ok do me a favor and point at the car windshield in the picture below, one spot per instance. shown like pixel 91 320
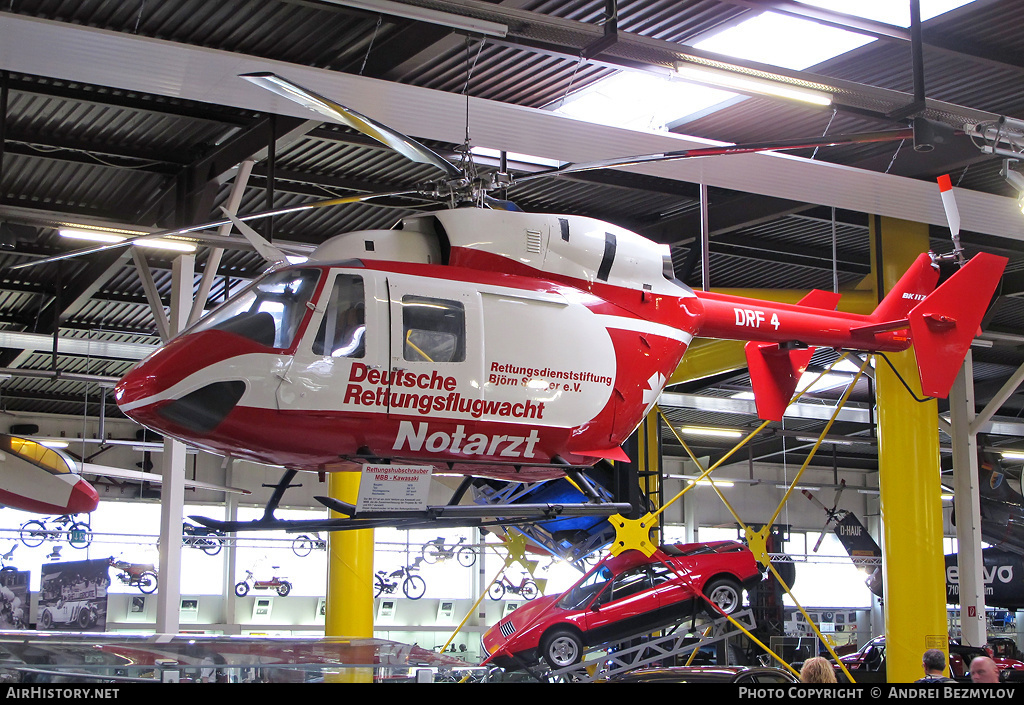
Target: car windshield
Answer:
pixel 267 312
pixel 580 595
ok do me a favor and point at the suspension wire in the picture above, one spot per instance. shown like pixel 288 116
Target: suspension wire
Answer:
pixel 894 155
pixel 572 80
pixel 834 111
pixel 705 473
pixel 821 438
pixel 369 47
pixel 835 255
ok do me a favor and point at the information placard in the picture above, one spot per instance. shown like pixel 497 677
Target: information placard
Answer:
pixel 393 487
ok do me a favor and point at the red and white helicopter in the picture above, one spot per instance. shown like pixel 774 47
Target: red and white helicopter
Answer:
pixel 485 341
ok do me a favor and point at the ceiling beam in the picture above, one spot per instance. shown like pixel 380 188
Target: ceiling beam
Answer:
pixel 135 63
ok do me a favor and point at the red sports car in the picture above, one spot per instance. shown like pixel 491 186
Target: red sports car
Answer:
pixel 621 596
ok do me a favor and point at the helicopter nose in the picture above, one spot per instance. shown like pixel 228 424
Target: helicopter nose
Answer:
pixel 83 499
pixel 147 394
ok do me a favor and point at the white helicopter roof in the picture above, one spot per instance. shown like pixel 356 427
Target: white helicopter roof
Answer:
pixel 586 249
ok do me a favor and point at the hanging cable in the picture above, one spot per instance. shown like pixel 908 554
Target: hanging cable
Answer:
pixel 370 45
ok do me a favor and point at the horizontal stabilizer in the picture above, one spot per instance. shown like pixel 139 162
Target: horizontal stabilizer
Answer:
pixel 615 453
pixel 775 371
pixel 944 324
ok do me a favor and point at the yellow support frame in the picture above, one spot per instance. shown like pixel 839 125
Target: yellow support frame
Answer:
pixel 633 534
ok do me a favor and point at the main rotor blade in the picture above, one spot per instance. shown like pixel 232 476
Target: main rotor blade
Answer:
pixel 216 224
pixel 404 145
pixel 771 146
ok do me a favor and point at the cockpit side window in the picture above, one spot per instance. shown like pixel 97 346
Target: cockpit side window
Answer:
pixel 269 311
pixel 343 329
pixel 434 330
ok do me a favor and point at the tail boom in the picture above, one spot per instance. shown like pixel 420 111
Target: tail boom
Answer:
pixel 941 322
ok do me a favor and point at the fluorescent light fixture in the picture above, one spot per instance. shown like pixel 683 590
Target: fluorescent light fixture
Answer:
pixel 751 84
pixel 1013 454
pixel 946 497
pixel 52 443
pixel 809 488
pixel 111 238
pixel 711 432
pixel 423 14
pixel 707 483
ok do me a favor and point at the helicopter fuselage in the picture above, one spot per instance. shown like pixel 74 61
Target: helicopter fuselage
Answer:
pixel 462 365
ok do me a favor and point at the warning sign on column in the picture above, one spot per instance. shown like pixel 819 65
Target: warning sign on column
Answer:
pixel 393 488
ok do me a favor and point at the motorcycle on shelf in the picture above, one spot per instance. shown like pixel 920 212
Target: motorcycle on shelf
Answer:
pixel 209 541
pixel 278 584
pixel 140 575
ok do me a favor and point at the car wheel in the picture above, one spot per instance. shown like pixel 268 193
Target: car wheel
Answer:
pixel 45 620
pixel 562 648
pixel 726 594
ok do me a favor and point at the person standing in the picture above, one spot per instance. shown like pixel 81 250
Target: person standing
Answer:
pixel 817 670
pixel 934 663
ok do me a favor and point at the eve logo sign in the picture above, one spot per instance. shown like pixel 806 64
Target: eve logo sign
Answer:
pixel 753 318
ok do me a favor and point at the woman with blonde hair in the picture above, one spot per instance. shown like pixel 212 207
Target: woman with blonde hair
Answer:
pixel 817 670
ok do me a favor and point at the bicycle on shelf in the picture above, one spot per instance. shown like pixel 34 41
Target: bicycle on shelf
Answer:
pixel 140 575
pixel 413 586
pixel 35 531
pixel 209 541
pixel 279 585
pixel 304 544
pixel 527 588
pixel 5 559
pixel 436 551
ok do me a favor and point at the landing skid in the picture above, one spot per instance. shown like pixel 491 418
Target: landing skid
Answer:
pixel 441 516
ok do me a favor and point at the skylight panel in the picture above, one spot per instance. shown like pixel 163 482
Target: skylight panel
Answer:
pixel 639 102
pixel 888 11
pixel 784 41
pixel 635 101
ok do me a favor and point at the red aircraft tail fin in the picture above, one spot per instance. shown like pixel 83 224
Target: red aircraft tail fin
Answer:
pixel 913 287
pixel 775 371
pixel 944 324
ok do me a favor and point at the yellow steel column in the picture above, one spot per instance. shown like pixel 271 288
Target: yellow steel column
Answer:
pixel 349 576
pixel 909 474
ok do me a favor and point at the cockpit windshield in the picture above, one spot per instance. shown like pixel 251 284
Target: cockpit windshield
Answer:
pixel 269 311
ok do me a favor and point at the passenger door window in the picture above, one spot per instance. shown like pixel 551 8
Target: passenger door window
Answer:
pixel 433 330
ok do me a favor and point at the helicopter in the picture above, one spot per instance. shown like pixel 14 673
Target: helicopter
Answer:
pixel 484 341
